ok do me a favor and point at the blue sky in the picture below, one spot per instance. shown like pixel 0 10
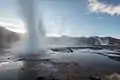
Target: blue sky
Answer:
pixel 70 17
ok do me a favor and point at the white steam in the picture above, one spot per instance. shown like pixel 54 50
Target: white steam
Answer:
pixel 29 13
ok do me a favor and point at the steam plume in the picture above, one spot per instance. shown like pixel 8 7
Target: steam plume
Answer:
pixel 35 31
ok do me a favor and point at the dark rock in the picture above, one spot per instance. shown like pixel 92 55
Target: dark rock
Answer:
pixel 41 78
pixel 46 78
pixel 94 78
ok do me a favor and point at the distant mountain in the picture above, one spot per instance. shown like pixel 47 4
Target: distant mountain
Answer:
pixel 82 41
pixel 7 37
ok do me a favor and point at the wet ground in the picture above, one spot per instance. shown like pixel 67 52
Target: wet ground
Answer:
pixel 76 65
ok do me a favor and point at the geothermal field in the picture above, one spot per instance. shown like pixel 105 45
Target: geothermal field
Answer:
pixel 33 59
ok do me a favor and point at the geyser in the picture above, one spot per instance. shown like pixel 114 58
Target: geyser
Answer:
pixel 29 12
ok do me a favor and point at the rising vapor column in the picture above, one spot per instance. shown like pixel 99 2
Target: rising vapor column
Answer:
pixel 29 15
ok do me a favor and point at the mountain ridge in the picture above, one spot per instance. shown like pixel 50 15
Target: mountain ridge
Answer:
pixel 81 41
pixel 7 37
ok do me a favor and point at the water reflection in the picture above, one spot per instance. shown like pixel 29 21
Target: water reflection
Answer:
pixel 9 70
pixel 113 56
pixel 34 68
pixel 29 71
pixel 59 65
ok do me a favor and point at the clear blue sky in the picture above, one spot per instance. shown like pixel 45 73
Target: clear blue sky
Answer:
pixel 72 17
